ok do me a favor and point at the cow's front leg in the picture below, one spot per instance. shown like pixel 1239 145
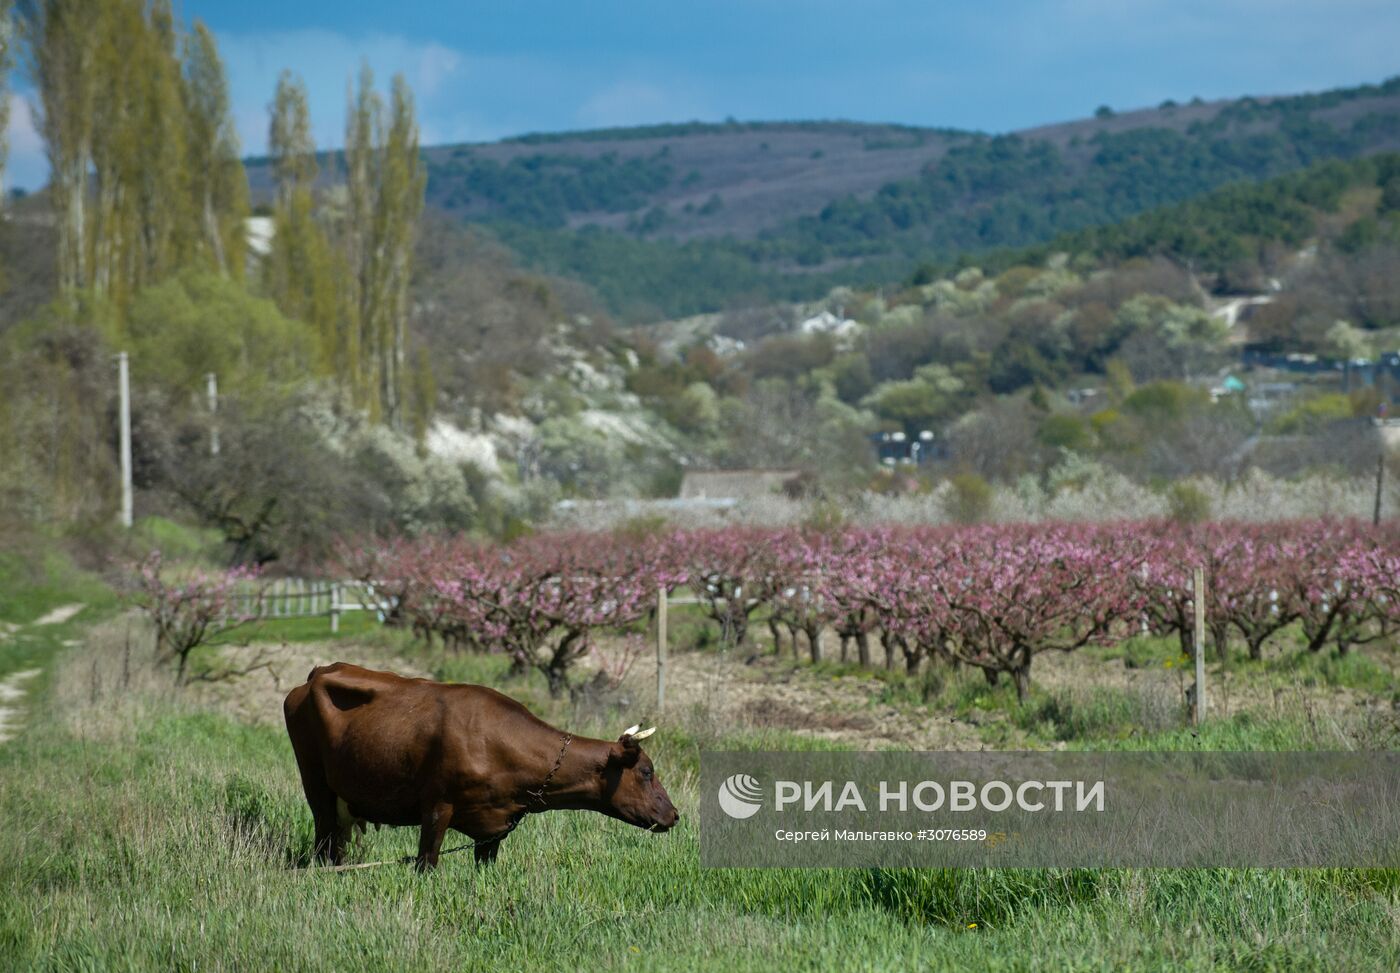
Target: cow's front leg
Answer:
pixel 435 822
pixel 485 851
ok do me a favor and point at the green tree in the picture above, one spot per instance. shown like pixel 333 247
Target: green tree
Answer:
pixel 7 60
pixel 919 402
pixel 199 322
pixel 303 273
pixel 143 226
pixel 1065 431
pixel 218 184
pixel 114 118
pixel 63 38
pixel 385 180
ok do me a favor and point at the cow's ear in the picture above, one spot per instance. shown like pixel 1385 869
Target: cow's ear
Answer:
pixel 627 752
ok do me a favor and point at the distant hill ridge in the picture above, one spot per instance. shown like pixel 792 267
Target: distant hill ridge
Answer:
pixel 680 218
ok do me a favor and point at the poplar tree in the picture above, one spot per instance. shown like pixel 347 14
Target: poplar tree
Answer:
pixel 385 180
pixel 7 60
pixel 304 275
pixel 157 164
pixel 363 120
pixel 218 184
pixel 289 141
pixel 63 38
pixel 113 116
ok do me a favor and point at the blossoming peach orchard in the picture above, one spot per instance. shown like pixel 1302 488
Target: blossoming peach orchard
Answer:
pixel 991 597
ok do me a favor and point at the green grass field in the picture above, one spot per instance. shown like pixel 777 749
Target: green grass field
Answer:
pixel 145 831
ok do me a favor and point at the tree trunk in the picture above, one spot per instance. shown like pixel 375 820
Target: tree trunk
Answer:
pixel 912 658
pixel 1256 646
pixel 211 229
pixel 814 643
pixel 863 647
pixel 777 636
pixel 1021 672
pixel 1220 635
pixel 1022 678
pixel 558 680
pixel 1317 637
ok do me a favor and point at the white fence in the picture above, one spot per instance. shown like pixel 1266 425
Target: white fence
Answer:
pixel 308 598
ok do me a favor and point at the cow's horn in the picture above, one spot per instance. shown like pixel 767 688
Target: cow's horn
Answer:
pixel 631 729
pixel 644 734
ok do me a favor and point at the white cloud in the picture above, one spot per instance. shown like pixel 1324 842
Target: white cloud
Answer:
pixel 636 103
pixel 26 166
pixel 460 96
pixel 436 65
pixel 328 62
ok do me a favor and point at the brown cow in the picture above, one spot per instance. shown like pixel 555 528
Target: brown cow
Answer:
pixel 374 746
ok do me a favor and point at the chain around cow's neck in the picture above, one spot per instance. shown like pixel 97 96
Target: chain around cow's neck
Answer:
pixel 538 795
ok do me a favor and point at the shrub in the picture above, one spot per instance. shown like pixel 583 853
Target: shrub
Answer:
pixel 1187 503
pixel 968 498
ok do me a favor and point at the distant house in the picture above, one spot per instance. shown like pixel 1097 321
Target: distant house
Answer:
pixel 1231 386
pixel 723 345
pixel 828 323
pixel 897 449
pixel 736 484
pixel 1389 432
pixel 259 231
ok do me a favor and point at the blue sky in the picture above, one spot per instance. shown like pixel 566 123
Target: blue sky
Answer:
pixel 486 70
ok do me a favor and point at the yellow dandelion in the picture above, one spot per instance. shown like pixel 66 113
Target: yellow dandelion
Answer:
pixel 972 925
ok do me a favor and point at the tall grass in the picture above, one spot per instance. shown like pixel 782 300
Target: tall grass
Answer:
pixel 144 833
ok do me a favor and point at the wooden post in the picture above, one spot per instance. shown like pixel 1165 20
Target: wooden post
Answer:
pixel 660 649
pixel 1198 710
pixel 124 425
pixel 1380 486
pixel 211 391
pixel 335 608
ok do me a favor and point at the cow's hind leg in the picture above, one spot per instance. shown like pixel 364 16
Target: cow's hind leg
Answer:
pixel 435 821
pixel 330 842
pixel 330 836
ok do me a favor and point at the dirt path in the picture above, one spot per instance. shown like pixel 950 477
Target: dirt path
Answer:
pixel 257 697
pixel 759 691
pixel 60 614
pixel 12 693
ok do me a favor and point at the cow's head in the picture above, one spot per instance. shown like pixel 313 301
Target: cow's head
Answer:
pixel 631 789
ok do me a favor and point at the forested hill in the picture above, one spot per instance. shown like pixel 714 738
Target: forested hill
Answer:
pixel 673 219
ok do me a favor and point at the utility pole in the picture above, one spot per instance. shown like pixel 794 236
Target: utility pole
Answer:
pixel 662 596
pixel 124 392
pixel 211 382
pixel 1380 485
